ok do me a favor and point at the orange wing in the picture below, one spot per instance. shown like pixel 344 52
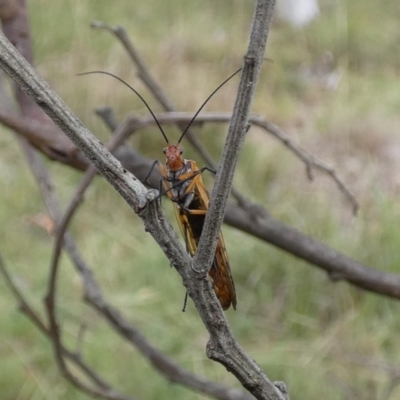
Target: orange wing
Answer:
pixel 220 271
pixel 221 275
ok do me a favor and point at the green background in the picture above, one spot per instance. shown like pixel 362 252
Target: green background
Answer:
pixel 325 340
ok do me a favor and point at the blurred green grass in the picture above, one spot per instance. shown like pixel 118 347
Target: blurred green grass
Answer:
pixel 290 317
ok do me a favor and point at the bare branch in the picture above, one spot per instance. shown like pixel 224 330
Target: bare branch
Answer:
pixel 45 138
pixel 143 69
pixel 15 66
pixel 310 160
pixel 238 128
pixel 336 264
pixel 77 198
pixel 302 248
pixel 107 114
pixel 125 183
pixel 157 91
pixel 16 25
pixel 261 225
pixel 104 390
pixel 95 298
pixel 101 163
pixel 57 146
pixel 35 125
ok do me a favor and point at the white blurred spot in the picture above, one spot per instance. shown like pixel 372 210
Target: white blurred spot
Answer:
pixel 297 12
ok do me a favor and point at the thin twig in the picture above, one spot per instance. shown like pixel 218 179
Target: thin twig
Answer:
pixel 336 264
pixel 237 131
pixel 55 334
pixel 25 76
pixel 128 186
pixel 77 199
pixel 159 361
pixel 108 116
pixel 15 24
pixel 310 160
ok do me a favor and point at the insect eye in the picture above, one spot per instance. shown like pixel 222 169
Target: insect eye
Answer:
pixel 180 151
pixel 164 150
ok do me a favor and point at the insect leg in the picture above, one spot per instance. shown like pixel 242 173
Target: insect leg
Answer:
pixel 202 169
pixel 185 303
pixel 179 183
pixel 189 198
pixel 151 170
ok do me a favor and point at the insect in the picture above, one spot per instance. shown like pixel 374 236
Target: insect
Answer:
pixel 183 184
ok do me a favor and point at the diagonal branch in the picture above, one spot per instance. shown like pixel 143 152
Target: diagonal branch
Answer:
pixel 275 232
pixel 35 125
pixel 25 76
pixel 337 265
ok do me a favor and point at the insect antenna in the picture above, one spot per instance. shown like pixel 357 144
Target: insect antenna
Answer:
pixel 134 91
pixel 202 106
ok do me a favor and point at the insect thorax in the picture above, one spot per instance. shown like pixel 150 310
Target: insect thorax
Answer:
pixel 179 185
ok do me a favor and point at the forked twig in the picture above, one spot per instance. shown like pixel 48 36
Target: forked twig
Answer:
pixel 311 161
